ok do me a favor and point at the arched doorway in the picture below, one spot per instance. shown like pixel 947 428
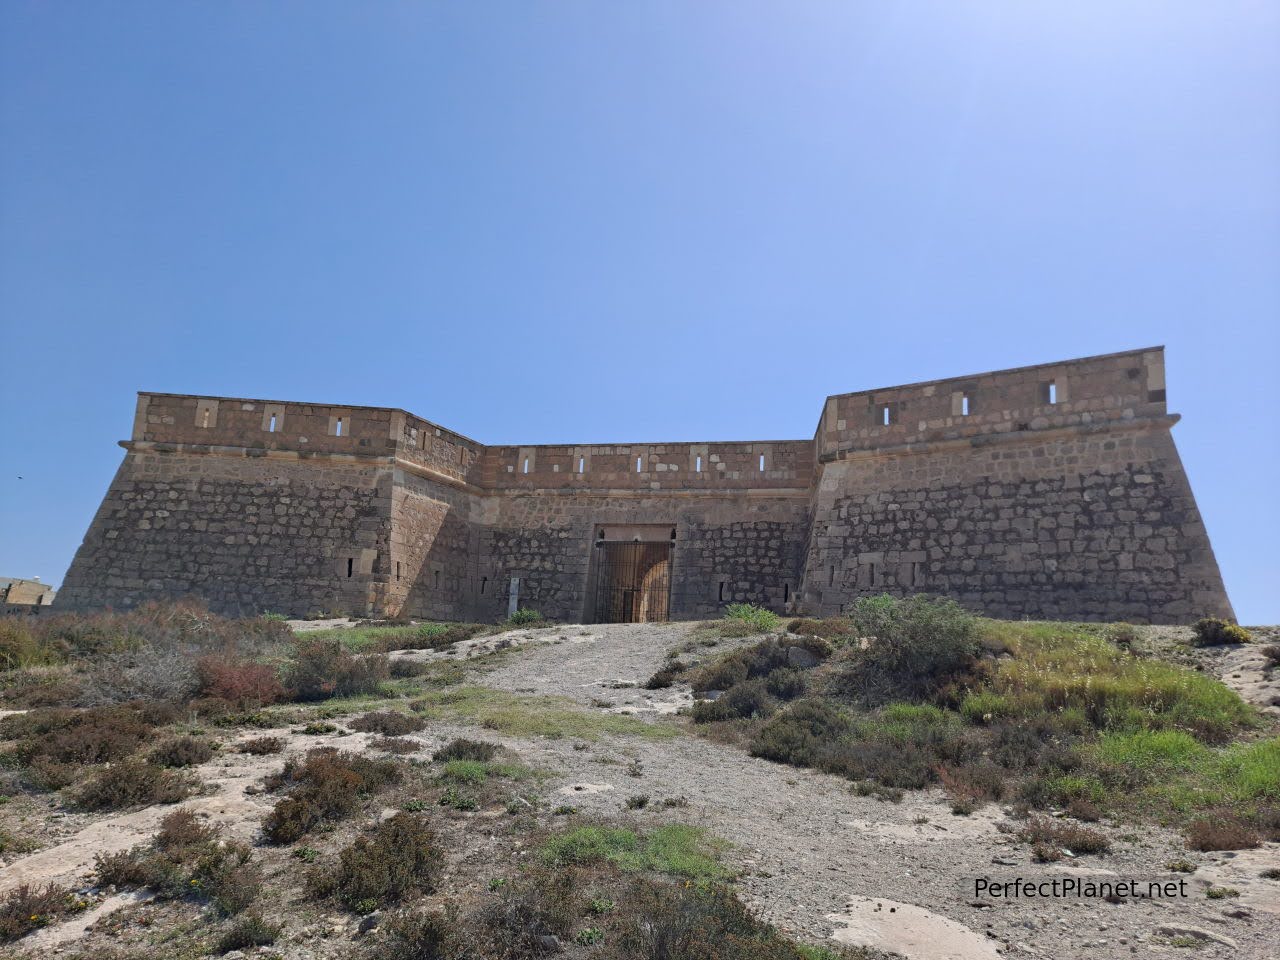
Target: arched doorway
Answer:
pixel 632 581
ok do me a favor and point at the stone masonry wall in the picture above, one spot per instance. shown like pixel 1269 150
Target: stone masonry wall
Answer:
pixel 1085 525
pixel 1046 491
pixel 753 544
pixel 246 534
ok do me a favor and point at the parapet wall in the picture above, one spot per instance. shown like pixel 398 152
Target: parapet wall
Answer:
pixel 1045 491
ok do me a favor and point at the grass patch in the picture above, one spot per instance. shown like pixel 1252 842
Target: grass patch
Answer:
pixel 675 849
pixel 758 618
pixel 533 716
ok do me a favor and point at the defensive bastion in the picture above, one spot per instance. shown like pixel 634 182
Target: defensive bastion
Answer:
pixel 1050 491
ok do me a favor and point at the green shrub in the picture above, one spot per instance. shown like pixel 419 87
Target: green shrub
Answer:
pixel 786 684
pixel 911 646
pixel 524 618
pixel 674 849
pixel 1212 632
pixel 758 618
pixel 401 857
pixel 743 700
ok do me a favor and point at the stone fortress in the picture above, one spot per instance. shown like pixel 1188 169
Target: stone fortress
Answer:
pixel 1050 491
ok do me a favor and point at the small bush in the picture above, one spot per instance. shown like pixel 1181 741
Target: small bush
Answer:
pixel 326 786
pixel 261 746
pixel 396 745
pixel 131 783
pixel 148 673
pixel 430 636
pixel 1072 836
pixel 182 752
pixel 250 930
pixel 524 618
pixel 389 723
pixel 747 699
pixel 758 618
pixel 26 908
pixel 400 858
pixel 320 668
pixel 666 676
pixel 786 684
pixel 463 749
pixel 244 683
pixel 186 859
pixel 402 668
pixel 1085 810
pixel 1220 833
pixel 912 646
pixel 1213 632
pixel 837 629
pixel 1271 656
pixel 417 936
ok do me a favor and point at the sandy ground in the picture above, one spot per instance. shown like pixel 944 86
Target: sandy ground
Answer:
pixel 814 858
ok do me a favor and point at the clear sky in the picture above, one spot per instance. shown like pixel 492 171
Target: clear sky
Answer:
pixel 575 222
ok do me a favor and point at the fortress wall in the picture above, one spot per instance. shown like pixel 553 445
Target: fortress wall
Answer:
pixel 246 534
pixel 1118 386
pixel 435 541
pixel 307 428
pixel 787 464
pixel 751 543
pixel 1045 491
pixel 1082 523
pixel 431 446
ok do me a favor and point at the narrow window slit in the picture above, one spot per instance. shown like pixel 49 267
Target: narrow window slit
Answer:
pixel 271 427
pixel 351 565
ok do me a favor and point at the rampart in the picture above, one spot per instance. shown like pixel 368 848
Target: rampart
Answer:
pixel 1045 491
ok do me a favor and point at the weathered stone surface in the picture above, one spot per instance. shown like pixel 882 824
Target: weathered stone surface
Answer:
pixel 1058 494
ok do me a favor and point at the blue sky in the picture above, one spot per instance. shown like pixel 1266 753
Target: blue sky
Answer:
pixel 568 221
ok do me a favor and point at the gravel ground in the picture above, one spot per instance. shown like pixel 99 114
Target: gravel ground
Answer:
pixel 815 859
pixel 811 849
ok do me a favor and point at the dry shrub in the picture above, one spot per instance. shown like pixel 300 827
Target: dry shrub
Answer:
pixel 98 735
pixel 26 908
pixel 148 673
pixel 1271 654
pixel 244 683
pixel 1220 833
pixel 838 629
pixel 389 723
pixel 402 668
pixel 971 785
pixel 319 669
pixel 261 746
pixel 400 858
pixel 464 749
pixel 1072 836
pixel 182 752
pixel 187 858
pixel 325 786
pixel 1085 810
pixel 131 783
pixel 397 745
pixel 250 930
